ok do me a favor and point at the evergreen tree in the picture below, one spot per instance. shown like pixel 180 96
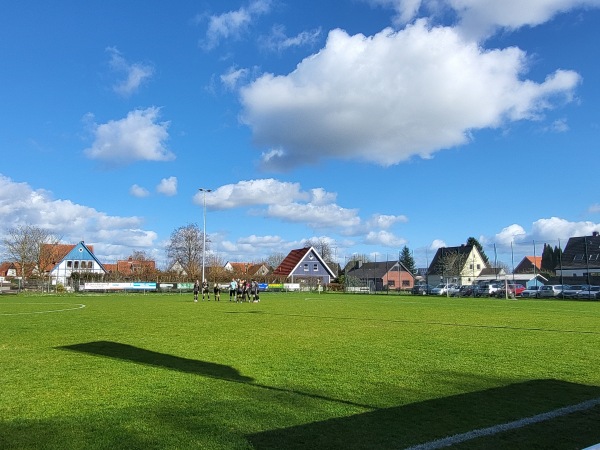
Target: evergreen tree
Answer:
pixel 548 264
pixel 407 260
pixel 475 243
pixel 557 256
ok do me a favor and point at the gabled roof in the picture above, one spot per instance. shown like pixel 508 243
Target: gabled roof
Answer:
pixel 461 250
pixel 375 269
pixel 79 252
pixel 528 263
pixel 581 252
pixel 293 260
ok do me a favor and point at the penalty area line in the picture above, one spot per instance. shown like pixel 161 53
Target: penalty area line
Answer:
pixel 489 431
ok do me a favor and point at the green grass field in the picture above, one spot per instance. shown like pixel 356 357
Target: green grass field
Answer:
pixel 295 371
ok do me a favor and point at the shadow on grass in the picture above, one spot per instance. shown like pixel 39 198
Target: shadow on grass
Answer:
pixel 420 423
pixel 141 356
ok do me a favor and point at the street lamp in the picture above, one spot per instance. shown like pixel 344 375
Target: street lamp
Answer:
pixel 204 191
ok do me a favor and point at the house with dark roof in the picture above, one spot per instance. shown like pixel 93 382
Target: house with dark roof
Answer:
pixel 379 276
pixel 304 266
pixel 460 265
pixel 529 264
pixel 75 258
pixel 581 257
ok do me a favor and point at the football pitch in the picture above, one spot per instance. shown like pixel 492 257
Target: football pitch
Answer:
pixel 297 370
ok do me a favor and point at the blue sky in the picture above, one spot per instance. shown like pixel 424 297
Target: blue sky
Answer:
pixel 371 124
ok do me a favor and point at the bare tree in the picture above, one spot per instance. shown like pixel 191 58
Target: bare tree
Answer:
pixel 24 244
pixel 275 259
pixel 451 264
pixel 186 248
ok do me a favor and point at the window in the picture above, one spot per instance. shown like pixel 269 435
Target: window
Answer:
pixel 478 266
pixel 76 265
pixel 594 257
pixel 405 283
pixel 306 267
pixel 578 258
pixel 391 283
pixel 315 267
pixel 69 264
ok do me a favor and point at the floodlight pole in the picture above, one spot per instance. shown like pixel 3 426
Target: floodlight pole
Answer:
pixel 204 191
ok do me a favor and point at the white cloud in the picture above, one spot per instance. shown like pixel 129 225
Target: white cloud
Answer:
pixel 512 233
pixel 287 202
pixel 481 18
pixel 135 73
pixel 392 96
pixel 437 243
pixel 138 191
pixel 278 41
pixel 233 24
pixel 384 238
pixel 137 137
pixel 232 77
pixel 22 205
pixel 556 228
pixel 167 186
pixel 252 192
pixel 594 209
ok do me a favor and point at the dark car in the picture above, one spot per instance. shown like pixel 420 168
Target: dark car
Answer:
pixel 421 289
pixel 466 290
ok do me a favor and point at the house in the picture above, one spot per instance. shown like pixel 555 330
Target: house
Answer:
pixel 529 264
pixel 379 276
pixel 75 258
pixel 8 270
pixel 131 267
pixel 459 265
pixel 304 266
pixel 247 269
pixel 581 257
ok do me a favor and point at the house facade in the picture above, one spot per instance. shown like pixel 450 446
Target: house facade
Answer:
pixel 304 266
pixel 581 257
pixel 78 258
pixel 379 276
pixel 459 265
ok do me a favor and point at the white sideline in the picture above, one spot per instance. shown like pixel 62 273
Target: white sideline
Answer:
pixel 458 438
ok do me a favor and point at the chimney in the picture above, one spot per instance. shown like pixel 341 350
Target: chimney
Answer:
pixel 595 234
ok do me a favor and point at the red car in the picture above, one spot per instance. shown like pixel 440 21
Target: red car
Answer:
pixel 514 290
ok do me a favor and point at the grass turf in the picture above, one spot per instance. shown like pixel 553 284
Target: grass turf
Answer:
pixel 293 371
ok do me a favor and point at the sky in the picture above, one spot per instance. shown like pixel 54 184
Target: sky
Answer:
pixel 368 124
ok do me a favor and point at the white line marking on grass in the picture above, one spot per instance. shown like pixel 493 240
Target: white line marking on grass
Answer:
pixel 458 438
pixel 76 306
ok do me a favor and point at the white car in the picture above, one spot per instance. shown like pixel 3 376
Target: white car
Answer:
pixel 591 293
pixel 440 289
pixel 531 292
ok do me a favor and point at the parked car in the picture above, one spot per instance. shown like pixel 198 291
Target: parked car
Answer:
pixel 573 290
pixel 513 290
pixel 590 293
pixel 421 289
pixel 443 289
pixel 467 290
pixel 453 290
pixel 552 290
pixel 488 289
pixel 531 292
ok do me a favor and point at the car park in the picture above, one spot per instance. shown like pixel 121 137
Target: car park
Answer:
pixel 552 290
pixel 531 292
pixel 590 293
